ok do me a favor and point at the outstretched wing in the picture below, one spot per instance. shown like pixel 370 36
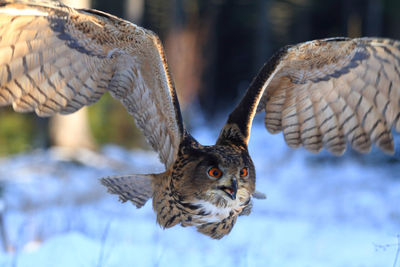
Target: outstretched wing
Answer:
pixel 327 93
pixel 55 59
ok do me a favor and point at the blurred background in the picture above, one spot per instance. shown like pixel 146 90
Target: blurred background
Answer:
pixel 320 210
pixel 214 49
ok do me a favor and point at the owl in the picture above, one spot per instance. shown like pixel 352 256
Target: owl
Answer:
pixel 326 93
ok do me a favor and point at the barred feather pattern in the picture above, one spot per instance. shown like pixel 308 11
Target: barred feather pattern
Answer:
pixel 136 188
pixel 39 72
pixel 333 92
pixel 56 59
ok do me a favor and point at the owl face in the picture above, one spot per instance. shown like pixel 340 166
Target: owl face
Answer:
pixel 222 176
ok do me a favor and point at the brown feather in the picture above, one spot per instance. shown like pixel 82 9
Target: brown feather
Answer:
pixel 56 59
pixel 136 188
pixel 334 90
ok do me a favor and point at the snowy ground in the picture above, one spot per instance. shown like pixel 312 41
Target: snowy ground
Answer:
pixel 320 211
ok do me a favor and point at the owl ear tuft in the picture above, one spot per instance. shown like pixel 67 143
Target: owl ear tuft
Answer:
pixel 134 187
pixel 232 135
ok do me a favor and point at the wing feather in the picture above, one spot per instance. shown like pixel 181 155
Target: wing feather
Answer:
pixel 290 122
pixel 274 108
pixel 325 93
pixel 310 134
pixel 334 132
pixel 55 59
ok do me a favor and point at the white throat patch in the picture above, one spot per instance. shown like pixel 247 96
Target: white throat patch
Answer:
pixel 215 213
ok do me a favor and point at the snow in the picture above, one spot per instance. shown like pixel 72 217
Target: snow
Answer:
pixel 320 211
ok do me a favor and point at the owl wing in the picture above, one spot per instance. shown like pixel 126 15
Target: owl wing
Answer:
pixel 327 93
pixel 56 59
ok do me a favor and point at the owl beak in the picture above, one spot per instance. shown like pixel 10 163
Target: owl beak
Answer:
pixel 230 189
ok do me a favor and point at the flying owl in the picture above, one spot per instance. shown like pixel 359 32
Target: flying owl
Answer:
pixel 321 94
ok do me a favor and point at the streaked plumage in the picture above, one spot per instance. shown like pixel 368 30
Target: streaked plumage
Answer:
pixel 320 94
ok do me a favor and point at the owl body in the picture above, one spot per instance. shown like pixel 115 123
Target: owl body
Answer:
pixel 190 196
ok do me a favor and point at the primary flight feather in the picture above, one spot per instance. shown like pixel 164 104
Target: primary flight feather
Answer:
pixel 321 94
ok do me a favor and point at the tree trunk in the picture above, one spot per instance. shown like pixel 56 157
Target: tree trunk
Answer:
pixel 72 130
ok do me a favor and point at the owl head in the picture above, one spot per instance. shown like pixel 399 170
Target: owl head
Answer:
pixel 221 175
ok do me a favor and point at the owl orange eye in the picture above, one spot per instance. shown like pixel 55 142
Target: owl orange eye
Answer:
pixel 243 172
pixel 215 172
